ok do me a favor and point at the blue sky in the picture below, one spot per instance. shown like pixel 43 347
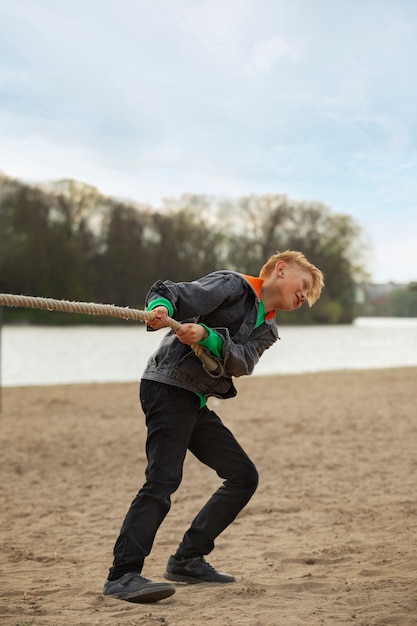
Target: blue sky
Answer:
pixel 149 99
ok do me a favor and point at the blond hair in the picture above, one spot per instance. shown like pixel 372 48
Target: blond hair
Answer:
pixel 293 257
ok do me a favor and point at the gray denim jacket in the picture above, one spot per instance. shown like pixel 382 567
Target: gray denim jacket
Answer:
pixel 226 302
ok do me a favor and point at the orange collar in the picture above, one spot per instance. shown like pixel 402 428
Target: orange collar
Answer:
pixel 256 284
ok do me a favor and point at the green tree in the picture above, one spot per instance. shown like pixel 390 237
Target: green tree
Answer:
pixel 187 242
pixel 403 303
pixel 124 262
pixel 24 251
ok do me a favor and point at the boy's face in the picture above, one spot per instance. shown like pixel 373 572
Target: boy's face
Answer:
pixel 292 285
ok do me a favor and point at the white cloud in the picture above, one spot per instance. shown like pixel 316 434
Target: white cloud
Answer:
pixel 265 54
pixel 215 22
pixel 395 259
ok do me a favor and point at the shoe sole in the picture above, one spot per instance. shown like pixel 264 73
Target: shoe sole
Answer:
pixel 146 595
pixel 194 581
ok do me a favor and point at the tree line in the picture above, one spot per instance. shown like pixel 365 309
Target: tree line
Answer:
pixel 67 241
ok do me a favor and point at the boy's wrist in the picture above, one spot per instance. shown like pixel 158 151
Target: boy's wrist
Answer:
pixel 205 332
pixel 213 342
pixel 161 302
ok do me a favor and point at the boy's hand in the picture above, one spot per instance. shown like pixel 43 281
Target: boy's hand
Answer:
pixel 191 333
pixel 160 319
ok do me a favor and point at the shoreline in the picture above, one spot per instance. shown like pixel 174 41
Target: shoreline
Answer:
pixel 261 375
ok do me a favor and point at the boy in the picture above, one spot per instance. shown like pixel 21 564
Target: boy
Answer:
pixel 232 316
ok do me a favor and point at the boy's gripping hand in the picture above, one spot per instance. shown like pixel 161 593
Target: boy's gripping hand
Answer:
pixel 161 318
pixel 191 333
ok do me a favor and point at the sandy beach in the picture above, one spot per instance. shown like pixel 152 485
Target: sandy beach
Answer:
pixel 330 537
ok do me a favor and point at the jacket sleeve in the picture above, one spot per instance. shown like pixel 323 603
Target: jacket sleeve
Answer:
pixel 239 359
pixel 197 298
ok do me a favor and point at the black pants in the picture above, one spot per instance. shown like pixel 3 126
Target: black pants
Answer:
pixel 175 423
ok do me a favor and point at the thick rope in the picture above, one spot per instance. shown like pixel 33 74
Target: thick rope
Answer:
pixel 67 306
pixel 91 308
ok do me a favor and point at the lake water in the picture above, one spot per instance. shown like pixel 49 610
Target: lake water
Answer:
pixel 34 355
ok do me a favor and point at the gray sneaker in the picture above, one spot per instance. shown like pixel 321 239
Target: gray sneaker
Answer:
pixel 195 570
pixel 134 588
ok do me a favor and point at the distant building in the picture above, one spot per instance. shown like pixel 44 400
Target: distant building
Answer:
pixel 379 292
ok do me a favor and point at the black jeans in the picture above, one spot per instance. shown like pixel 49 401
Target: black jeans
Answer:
pixel 176 423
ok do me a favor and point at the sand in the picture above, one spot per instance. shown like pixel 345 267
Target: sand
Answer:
pixel 330 537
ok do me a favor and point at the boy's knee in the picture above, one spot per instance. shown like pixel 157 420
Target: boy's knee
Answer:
pixel 248 479
pixel 161 486
pixel 253 478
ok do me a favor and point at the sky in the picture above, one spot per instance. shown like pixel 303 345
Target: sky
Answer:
pixel 150 99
